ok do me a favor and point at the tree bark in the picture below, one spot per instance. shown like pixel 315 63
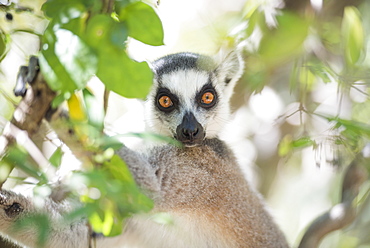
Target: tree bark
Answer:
pixel 29 113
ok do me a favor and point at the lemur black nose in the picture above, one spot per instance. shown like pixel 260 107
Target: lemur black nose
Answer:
pixel 190 132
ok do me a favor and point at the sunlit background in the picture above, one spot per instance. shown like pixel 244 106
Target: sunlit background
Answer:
pixel 299 185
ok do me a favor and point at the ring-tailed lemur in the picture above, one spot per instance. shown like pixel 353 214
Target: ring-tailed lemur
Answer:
pixel 200 185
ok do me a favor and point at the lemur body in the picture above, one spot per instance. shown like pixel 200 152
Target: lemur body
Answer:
pixel 200 186
pixel 211 204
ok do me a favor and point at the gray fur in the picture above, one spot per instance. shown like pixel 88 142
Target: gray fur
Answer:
pixel 200 187
pixel 181 61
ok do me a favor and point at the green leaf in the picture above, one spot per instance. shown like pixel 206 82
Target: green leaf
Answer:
pixel 79 213
pixel 5 169
pixel 121 4
pixel 105 221
pixel 3 45
pixel 102 32
pixel 321 71
pixel 294 75
pixel 40 222
pixel 115 69
pixel 70 15
pixel 286 41
pixel 56 157
pixel 354 126
pixel 143 23
pixel 59 99
pixel 66 62
pixel 256 75
pixel 122 75
pixel 124 182
pixel 53 8
pixel 353 133
pixel 307 78
pixel 95 110
pixel 285 146
pixel 20 158
pixel 119 170
pixel 303 142
pixel 353 34
pixel 109 142
pixel 119 198
pixel 62 9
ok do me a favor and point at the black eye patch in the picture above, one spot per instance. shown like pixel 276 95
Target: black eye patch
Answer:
pixel 207 97
pixel 165 101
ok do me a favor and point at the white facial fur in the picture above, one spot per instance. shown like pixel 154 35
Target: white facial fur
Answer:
pixel 186 84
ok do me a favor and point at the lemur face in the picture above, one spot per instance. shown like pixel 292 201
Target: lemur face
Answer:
pixel 190 97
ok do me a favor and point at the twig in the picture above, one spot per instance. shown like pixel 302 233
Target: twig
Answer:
pixel 106 98
pixel 22 138
pixel 361 91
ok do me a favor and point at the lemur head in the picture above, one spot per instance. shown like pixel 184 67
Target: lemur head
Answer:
pixel 190 96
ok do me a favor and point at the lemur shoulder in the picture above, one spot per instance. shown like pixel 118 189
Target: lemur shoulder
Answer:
pixel 200 185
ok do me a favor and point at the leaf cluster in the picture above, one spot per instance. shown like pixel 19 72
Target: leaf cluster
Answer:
pixel 86 38
pixel 81 41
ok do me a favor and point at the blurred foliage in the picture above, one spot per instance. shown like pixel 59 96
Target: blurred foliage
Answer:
pixel 3 45
pixel 288 39
pixel 316 47
pixel 304 42
pixel 43 227
pixel 84 38
pixel 18 157
pixel 88 37
pixel 287 144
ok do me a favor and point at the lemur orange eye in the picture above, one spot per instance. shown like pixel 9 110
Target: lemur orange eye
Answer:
pixel 165 101
pixel 208 98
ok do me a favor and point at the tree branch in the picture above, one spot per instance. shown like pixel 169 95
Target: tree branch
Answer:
pixel 29 114
pixel 34 106
pixel 341 214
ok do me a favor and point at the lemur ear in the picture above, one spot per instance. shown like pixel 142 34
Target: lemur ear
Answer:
pixel 230 70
